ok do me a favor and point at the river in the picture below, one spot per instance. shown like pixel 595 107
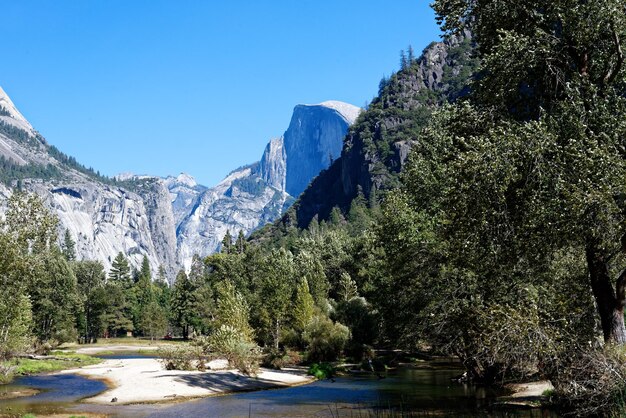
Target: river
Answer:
pixel 424 390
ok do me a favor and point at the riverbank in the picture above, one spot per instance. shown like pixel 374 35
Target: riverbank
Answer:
pixel 56 361
pixel 144 380
pixel 527 395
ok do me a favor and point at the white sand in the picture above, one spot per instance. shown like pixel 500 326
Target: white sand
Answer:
pixel 94 349
pixel 530 390
pixel 146 380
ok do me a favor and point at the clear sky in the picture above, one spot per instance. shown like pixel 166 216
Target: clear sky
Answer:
pixel 196 86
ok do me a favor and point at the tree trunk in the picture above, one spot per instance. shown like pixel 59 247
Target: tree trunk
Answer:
pixel 610 301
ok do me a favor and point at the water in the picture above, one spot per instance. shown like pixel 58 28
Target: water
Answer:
pixel 410 391
pixel 405 392
pixel 126 355
pixel 57 392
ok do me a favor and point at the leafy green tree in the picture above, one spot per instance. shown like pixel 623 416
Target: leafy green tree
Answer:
pixel 15 307
pixel 30 223
pixel 54 298
pixel 90 283
pixel 275 287
pixel 304 306
pixel 310 269
pixel 551 125
pixel 154 320
pixel 347 288
pixel 233 311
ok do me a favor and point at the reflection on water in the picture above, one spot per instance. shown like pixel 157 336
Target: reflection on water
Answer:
pixel 405 392
pixel 57 393
pixel 414 391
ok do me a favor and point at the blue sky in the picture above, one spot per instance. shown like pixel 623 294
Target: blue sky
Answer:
pixel 163 87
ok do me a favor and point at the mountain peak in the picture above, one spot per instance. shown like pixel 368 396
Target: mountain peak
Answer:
pixel 187 180
pixel 346 110
pixel 15 117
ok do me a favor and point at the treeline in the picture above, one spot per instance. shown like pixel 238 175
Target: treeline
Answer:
pixel 48 297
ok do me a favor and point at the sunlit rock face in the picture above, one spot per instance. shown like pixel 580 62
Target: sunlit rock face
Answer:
pixel 259 193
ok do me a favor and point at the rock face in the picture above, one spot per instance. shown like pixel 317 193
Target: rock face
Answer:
pixel 257 194
pixel 171 219
pixel 311 141
pixel 379 143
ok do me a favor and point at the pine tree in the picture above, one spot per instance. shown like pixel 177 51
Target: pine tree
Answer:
pixel 227 242
pixel 182 303
pixel 411 55
pixel 347 287
pixel 241 244
pixel 120 271
pixel 68 247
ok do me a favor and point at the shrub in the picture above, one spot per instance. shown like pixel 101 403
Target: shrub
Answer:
pixel 6 372
pixel 181 357
pixel 279 358
pixel 325 340
pixel 321 371
pixel 229 343
pixel 591 382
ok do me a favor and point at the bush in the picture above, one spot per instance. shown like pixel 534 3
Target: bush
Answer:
pixel 277 359
pixel 227 342
pixel 181 357
pixel 325 340
pixel 592 382
pixel 321 371
pixel 7 371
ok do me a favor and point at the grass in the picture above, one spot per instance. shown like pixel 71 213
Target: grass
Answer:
pixel 64 360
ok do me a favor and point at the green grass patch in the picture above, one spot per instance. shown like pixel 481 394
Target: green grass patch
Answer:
pixel 62 362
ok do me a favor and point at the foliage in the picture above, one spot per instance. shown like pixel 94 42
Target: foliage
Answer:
pixel 182 303
pixel 90 283
pixel 61 361
pixel 591 382
pixel 181 357
pixel 230 343
pixel 153 320
pixel 324 339
pixel 321 371
pixel 303 309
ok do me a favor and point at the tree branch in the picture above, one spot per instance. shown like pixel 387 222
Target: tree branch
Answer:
pixel 614 70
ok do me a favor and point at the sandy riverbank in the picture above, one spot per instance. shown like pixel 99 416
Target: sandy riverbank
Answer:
pixel 146 380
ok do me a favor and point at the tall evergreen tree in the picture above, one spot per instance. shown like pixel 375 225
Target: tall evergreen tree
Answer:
pixel 227 242
pixel 120 270
pixel 182 303
pixel 68 246
pixel 241 244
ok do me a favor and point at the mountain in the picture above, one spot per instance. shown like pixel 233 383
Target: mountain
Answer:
pixel 103 216
pixel 380 140
pixel 259 193
pixel 167 219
